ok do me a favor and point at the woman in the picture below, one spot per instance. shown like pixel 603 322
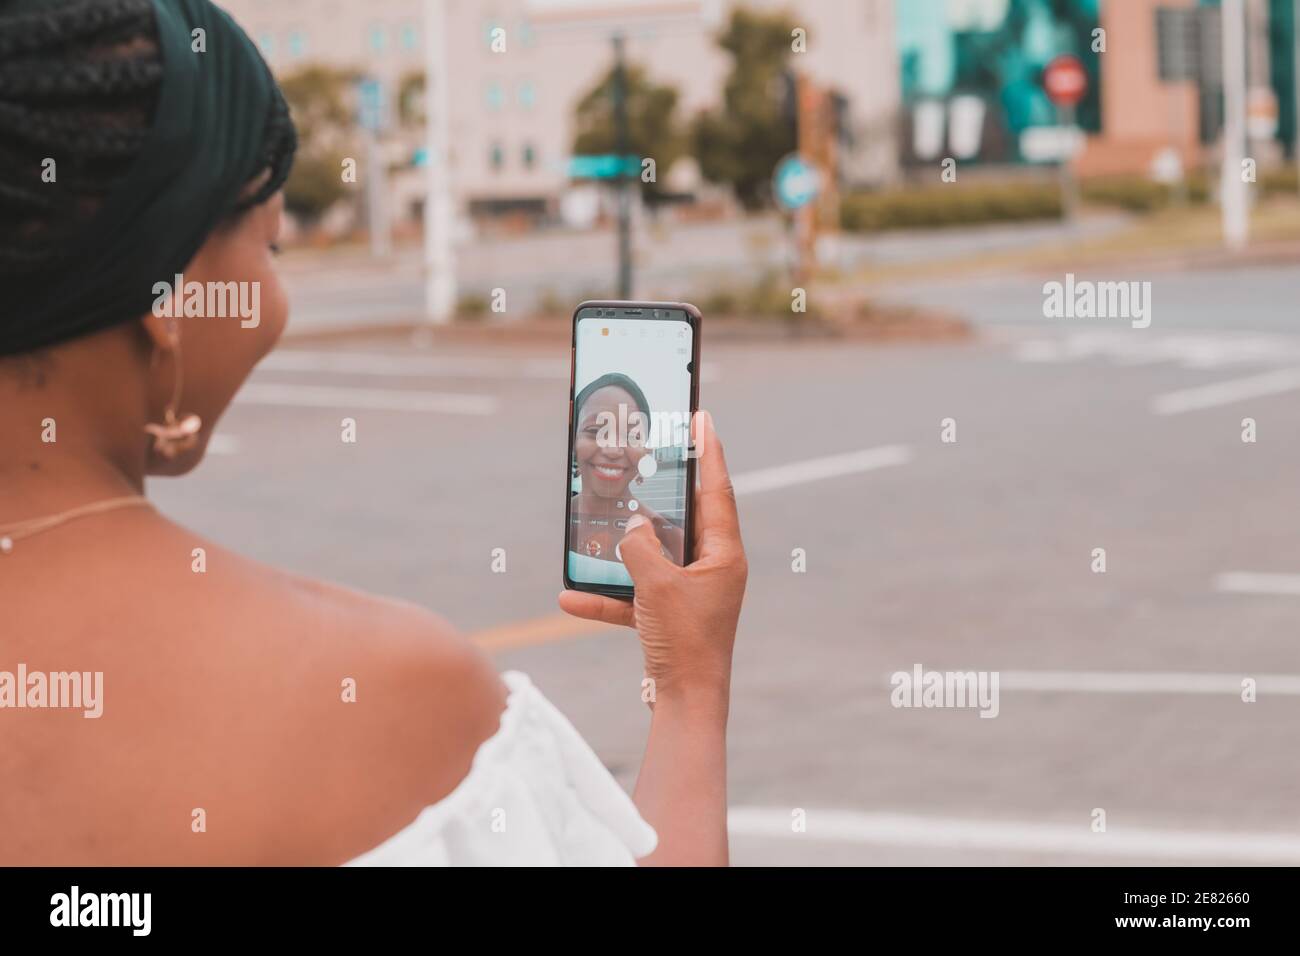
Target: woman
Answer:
pixel 144 139
pixel 606 464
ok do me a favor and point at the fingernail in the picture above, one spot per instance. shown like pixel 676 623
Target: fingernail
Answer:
pixel 634 522
pixel 703 424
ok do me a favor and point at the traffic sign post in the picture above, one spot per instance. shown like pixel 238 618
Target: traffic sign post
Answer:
pixel 796 184
pixel 619 93
pixel 1065 80
pixel 372 117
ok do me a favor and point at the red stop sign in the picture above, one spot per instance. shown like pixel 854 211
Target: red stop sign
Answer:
pixel 1066 81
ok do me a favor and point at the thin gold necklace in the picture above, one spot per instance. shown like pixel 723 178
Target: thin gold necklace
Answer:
pixel 34 526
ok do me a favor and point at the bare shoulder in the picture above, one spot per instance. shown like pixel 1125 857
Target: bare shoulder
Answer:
pixel 376 711
pixel 399 705
pixel 307 722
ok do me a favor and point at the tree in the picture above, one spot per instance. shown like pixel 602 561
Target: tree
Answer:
pixel 654 131
pixel 741 144
pixel 410 100
pixel 320 100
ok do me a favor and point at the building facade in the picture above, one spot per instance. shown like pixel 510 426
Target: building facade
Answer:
pixel 923 79
pixel 971 81
pixel 519 67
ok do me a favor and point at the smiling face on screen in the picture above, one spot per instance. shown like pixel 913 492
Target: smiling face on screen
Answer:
pixel 608 467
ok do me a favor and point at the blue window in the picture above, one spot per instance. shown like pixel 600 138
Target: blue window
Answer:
pixel 376 38
pixel 297 44
pixel 527 95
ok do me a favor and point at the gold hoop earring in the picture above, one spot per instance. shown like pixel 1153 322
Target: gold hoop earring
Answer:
pixel 173 436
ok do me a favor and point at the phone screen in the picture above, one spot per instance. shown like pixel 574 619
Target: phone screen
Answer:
pixel 632 393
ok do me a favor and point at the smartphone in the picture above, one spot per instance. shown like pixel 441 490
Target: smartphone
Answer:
pixel 634 385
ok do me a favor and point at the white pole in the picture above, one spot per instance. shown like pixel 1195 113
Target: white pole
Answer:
pixel 439 257
pixel 1236 214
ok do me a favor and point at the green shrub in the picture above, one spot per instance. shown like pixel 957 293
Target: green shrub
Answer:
pixel 472 308
pixel 1140 194
pixel 550 304
pixel 721 301
pixel 1281 181
pixel 950 205
pixel 771 297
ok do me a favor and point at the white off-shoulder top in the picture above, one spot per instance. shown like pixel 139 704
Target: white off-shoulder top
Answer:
pixel 536 795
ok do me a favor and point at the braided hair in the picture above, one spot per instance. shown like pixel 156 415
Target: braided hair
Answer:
pixel 79 84
pixel 616 380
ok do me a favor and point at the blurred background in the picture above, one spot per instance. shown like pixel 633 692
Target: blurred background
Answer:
pixel 866 198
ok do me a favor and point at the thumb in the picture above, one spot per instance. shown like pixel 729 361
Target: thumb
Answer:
pixel 641 552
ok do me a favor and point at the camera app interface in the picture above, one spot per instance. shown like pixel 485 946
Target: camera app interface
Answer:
pixel 631 436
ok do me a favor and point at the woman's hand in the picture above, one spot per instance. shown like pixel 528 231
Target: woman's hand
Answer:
pixel 686 617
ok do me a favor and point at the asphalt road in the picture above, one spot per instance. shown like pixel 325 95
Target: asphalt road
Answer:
pixel 1258 298
pixel 1120 691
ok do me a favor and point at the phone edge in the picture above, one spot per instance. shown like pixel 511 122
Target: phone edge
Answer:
pixel 694 318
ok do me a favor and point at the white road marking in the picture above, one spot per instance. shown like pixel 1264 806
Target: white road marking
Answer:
pixel 222 444
pixel 906 830
pixel 818 469
pixel 379 399
pixel 1251 582
pixel 1227 393
pixel 439 366
pixel 442 366
pixel 1145 682
pixel 1189 350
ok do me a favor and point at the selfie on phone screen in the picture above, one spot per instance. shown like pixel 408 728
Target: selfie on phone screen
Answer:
pixel 631 439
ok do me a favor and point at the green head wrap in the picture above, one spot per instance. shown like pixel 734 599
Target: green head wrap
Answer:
pixel 205 144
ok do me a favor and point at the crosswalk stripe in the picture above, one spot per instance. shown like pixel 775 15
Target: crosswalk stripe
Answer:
pixel 909 830
pixel 1250 582
pixel 1146 682
pixel 1227 393
pixel 819 469
pixel 377 399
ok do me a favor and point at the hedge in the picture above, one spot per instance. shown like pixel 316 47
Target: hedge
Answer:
pixel 950 205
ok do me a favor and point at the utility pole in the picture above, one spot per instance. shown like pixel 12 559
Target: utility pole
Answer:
pixel 439 257
pixel 373 118
pixel 1071 193
pixel 381 240
pixel 1234 199
pixel 621 148
pixel 808 132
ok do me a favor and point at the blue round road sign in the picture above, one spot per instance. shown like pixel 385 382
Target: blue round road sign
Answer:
pixel 795 182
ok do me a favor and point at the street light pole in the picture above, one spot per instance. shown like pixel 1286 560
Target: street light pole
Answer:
pixel 439 257
pixel 381 240
pixel 1234 199
pixel 621 148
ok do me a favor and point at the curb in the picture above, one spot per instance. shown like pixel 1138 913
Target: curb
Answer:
pixel 888 326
